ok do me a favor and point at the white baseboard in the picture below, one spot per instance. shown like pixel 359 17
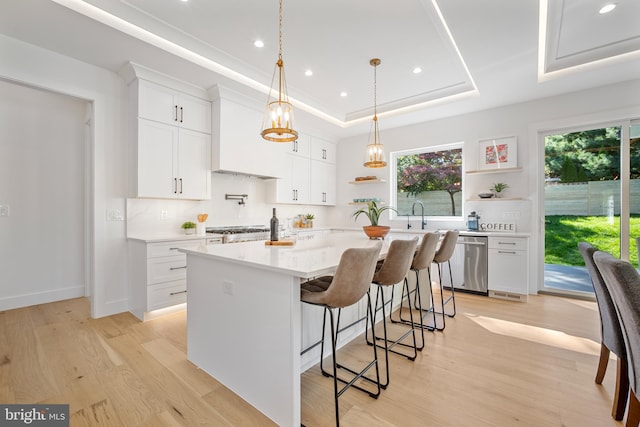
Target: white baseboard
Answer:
pixel 34 298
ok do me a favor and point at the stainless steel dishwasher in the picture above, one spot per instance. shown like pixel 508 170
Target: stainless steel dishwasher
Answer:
pixel 468 265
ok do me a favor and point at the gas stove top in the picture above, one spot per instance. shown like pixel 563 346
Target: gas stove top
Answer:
pixel 234 234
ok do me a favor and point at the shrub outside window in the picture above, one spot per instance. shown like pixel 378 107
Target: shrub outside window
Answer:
pixel 431 175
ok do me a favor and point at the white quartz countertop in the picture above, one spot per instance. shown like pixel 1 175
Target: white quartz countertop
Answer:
pixel 305 259
pixel 419 232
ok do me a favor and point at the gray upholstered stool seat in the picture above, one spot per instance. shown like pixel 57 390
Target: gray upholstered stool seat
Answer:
pixel 348 286
pixel 392 271
pixel 421 261
pixel 443 255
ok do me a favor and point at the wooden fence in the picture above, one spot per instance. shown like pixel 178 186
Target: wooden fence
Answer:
pixel 589 198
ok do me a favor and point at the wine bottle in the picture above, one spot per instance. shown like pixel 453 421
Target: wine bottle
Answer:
pixel 274 227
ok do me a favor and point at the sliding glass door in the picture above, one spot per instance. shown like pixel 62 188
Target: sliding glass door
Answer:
pixel 592 194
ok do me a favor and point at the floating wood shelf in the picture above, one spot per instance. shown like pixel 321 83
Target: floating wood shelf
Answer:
pixel 503 170
pixel 368 181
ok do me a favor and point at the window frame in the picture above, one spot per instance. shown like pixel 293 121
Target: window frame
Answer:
pixel 393 180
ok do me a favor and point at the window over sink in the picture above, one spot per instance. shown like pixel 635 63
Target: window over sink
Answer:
pixel 431 176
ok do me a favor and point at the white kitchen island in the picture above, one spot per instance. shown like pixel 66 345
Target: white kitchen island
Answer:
pixel 243 315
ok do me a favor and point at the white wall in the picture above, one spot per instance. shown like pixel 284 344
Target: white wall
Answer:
pixel 42 184
pixel 106 240
pixel 524 120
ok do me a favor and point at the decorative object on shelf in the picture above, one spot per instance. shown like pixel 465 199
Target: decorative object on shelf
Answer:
pixel 498 188
pixel 485 195
pixel 366 178
pixel 373 211
pixel 498 153
pixel 188 227
pixel 278 119
pixel 374 157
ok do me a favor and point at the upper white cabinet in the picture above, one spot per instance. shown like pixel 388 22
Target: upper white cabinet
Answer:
pixel 309 173
pixel 237 145
pixel 165 105
pixel 323 150
pixel 170 153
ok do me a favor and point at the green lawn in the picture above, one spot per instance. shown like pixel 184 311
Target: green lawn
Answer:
pixel 563 232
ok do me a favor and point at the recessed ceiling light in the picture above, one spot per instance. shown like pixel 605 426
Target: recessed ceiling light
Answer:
pixel 257 43
pixel 308 73
pixel 184 1
pixel 417 70
pixel 343 94
pixel 607 8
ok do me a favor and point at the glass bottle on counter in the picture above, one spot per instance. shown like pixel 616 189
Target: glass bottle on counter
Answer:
pixel 275 226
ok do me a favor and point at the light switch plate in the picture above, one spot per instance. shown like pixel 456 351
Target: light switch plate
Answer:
pixel 114 215
pixel 4 211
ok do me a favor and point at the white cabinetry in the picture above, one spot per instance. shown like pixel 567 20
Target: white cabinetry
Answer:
pixel 170 154
pixel 236 142
pixel 309 175
pixel 165 105
pixel 157 275
pixel 508 268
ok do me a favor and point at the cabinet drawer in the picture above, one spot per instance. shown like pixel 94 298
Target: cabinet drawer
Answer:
pixel 164 249
pixel 508 243
pixel 166 269
pixel 166 294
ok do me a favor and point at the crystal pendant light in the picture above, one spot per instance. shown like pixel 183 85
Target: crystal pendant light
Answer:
pixel 278 119
pixel 374 157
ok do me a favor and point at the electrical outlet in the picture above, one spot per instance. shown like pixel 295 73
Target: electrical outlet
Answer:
pixel 4 211
pixel 227 287
pixel 164 215
pixel 114 215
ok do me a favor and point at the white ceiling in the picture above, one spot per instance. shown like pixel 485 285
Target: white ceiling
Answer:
pixel 474 54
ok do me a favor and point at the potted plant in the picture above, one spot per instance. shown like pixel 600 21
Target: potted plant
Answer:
pixel 309 220
pixel 373 211
pixel 498 188
pixel 189 227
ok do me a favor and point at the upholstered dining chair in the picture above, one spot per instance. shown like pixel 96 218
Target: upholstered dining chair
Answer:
pixel 610 332
pixel 422 260
pixel 623 282
pixel 350 283
pixel 391 271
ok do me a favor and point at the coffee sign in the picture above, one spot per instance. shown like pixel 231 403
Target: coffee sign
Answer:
pixel 499 227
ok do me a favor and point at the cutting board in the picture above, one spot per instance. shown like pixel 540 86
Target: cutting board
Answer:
pixel 280 243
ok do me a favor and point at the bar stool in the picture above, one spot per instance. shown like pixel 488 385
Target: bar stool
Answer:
pixel 421 261
pixel 346 287
pixel 393 270
pixel 444 254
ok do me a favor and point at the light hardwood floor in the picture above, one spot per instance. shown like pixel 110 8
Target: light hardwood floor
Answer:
pixel 498 363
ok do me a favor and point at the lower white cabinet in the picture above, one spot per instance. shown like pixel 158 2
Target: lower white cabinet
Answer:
pixel 158 275
pixel 508 268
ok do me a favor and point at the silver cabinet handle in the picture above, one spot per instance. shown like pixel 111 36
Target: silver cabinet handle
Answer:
pixel 176 293
pixel 180 185
pixel 507 252
pixel 175 109
pixel 507 243
pixel 181 114
pixel 175 185
pixel 173 249
pixel 177 268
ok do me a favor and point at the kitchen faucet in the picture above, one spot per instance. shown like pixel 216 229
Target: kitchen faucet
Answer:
pixel 413 212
